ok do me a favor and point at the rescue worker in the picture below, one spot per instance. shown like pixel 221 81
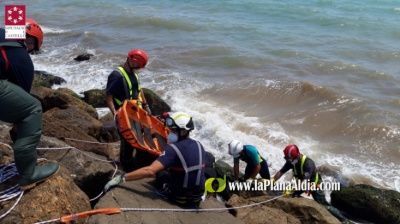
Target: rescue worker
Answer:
pixel 304 169
pixel 34 36
pixel 256 164
pixel 22 110
pixel 183 157
pixel 32 43
pixel 123 84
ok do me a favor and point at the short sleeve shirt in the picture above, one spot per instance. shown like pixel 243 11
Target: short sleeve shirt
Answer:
pixel 116 86
pixel 250 155
pixel 189 150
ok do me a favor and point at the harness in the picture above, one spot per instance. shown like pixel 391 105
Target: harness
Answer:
pixel 128 87
pixel 189 169
pixel 303 159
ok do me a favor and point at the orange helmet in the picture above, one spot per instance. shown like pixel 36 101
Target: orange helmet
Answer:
pixel 33 29
pixel 291 151
pixel 139 56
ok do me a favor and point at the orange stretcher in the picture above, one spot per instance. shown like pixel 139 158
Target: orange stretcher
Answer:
pixel 142 131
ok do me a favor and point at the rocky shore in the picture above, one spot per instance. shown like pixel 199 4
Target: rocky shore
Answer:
pixel 87 147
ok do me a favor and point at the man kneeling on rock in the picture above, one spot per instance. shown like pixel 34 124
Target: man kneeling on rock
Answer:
pixel 183 157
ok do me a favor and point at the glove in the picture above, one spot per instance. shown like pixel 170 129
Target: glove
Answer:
pixel 287 192
pixel 147 108
pixel 250 180
pixel 114 182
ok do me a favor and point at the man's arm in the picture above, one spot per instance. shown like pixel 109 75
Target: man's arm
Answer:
pixel 255 171
pixel 139 174
pixel 236 170
pixel 110 103
pixel 278 175
pixel 282 171
pixel 148 171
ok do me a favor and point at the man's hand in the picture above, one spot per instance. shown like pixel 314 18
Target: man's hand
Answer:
pixel 147 108
pixel 114 182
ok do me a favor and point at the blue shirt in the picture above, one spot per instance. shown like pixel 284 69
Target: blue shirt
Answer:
pixel 249 155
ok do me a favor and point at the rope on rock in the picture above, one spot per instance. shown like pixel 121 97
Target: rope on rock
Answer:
pixel 110 211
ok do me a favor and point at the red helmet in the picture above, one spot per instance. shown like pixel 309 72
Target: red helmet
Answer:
pixel 291 151
pixel 139 56
pixel 33 29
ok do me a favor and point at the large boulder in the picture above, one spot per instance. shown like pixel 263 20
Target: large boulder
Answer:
pixel 49 200
pixel 90 171
pixel 280 210
pixel 156 104
pixel 61 98
pixel 369 203
pixel 95 97
pixel 140 197
pixel 259 214
pixel 43 78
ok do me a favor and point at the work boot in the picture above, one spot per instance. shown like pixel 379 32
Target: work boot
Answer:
pixel 30 174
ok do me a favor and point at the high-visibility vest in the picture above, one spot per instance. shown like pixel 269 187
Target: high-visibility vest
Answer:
pixel 303 159
pixel 128 87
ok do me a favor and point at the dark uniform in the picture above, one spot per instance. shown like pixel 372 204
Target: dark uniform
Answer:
pixel 305 169
pixel 18 106
pixel 21 109
pixel 118 86
pixel 185 184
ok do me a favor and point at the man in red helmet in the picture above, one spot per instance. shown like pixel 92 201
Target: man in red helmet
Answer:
pixel 32 44
pixel 34 36
pixel 123 84
pixel 304 169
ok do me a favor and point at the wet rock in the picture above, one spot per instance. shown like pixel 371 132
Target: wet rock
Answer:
pixel 369 203
pixel 43 78
pixel 83 57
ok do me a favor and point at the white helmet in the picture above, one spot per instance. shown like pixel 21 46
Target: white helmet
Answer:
pixel 235 148
pixel 179 120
